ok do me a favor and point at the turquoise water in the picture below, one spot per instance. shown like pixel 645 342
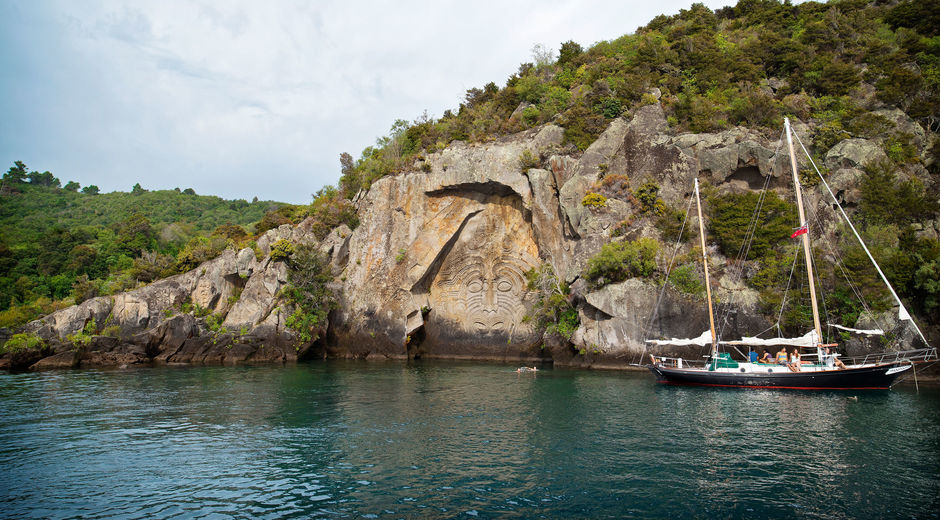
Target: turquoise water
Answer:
pixel 442 440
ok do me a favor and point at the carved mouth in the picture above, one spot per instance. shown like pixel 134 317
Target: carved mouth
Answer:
pixel 490 328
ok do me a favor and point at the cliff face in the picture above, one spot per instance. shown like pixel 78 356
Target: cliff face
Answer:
pixel 436 268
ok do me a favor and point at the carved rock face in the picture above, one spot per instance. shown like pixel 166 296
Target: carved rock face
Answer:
pixel 480 288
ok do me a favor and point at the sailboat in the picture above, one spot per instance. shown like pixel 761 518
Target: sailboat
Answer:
pixel 818 367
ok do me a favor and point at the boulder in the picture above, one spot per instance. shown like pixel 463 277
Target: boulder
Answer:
pixel 854 153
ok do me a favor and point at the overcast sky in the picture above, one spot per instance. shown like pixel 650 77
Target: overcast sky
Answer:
pixel 256 98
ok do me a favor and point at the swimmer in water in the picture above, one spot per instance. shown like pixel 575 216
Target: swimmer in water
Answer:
pixel 526 369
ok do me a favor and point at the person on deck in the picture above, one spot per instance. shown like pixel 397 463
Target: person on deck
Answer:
pixel 782 357
pixel 752 356
pixel 831 360
pixel 795 361
pixel 766 357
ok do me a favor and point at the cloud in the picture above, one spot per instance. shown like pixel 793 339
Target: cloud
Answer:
pixel 246 98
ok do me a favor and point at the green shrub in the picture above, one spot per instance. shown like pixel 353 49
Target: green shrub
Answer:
pixel 282 250
pixel 671 222
pixel 111 331
pixel 329 210
pixel 284 214
pixel 527 161
pixel 214 324
pixel 582 126
pixel 887 199
pixel 869 125
pixel 198 250
pixel 828 135
pixel 199 311
pixel 618 261
pixel 686 279
pixel 552 313
pixel 307 292
pixel 22 342
pixel 594 200
pixel 901 149
pixel 79 339
pixel 648 197
pixel 609 107
pixel 731 216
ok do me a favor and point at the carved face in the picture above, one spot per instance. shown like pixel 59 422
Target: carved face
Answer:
pixel 486 293
pixel 481 286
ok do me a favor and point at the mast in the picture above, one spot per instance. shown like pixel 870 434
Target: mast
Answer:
pixel 708 287
pixel 807 250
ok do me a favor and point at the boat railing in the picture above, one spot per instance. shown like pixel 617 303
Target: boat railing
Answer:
pixel 676 362
pixel 906 356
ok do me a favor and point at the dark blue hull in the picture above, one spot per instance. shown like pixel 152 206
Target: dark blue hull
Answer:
pixel 864 378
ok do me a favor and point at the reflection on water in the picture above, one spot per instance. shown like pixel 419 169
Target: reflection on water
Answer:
pixel 365 440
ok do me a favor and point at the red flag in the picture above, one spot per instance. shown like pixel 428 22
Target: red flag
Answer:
pixel 801 230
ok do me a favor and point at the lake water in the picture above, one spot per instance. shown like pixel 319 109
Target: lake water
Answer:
pixel 342 439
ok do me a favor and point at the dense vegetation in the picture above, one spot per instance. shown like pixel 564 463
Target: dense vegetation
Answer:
pixel 308 291
pixel 553 311
pixel 744 65
pixel 60 245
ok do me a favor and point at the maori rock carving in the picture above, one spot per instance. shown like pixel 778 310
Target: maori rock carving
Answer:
pixel 481 286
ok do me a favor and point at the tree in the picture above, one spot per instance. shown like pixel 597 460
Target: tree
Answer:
pixel 349 177
pixel 44 179
pixel 134 234
pixel 308 292
pixel 137 190
pixel 17 173
pixel 542 55
pixel 91 189
pixel 72 186
pixel 569 51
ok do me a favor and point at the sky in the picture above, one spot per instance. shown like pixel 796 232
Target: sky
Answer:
pixel 243 99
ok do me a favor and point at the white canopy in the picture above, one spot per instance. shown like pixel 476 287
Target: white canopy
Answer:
pixel 807 340
pixel 704 339
pixel 870 332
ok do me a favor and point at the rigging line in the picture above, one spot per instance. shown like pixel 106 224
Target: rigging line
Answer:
pixel 872 258
pixel 737 271
pixel 755 216
pixel 840 262
pixel 786 292
pixel 662 290
pixel 818 225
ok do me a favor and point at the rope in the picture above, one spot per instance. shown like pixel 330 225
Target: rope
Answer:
pixel 662 291
pixel 786 292
pixel 737 269
pixel 862 243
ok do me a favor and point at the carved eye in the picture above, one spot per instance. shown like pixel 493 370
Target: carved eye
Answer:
pixel 504 286
pixel 475 286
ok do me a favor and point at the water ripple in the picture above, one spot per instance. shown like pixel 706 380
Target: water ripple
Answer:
pixel 352 440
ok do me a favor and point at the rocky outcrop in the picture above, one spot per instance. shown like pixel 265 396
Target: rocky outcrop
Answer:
pixel 854 153
pixel 437 266
pixel 166 321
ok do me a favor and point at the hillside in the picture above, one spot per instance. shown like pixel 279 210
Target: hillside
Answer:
pixel 851 71
pixel 50 235
pixel 748 65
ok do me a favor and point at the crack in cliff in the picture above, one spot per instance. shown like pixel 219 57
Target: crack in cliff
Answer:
pixel 422 285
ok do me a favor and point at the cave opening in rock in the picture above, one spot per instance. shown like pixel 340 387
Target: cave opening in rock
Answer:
pixel 414 341
pixel 746 177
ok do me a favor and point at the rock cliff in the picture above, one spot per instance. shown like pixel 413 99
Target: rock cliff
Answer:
pixel 437 266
